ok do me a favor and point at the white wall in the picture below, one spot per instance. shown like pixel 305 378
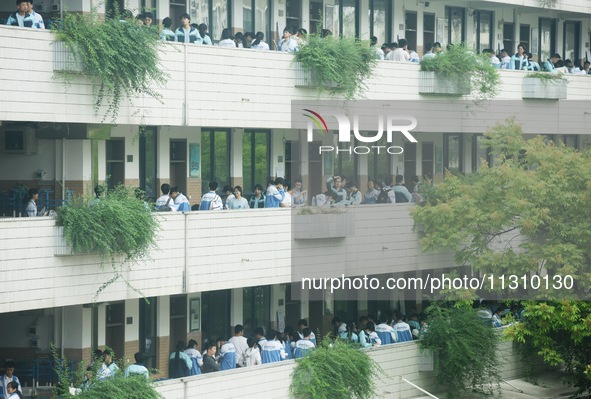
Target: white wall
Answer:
pixel 257 243
pixel 224 87
pixel 272 381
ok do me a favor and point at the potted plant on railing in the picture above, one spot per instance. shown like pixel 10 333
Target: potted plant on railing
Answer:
pixel 312 223
pixel 544 85
pixel 459 71
pixel 119 228
pixel 336 65
pixel 118 57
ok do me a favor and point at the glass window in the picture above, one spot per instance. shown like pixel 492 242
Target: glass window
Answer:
pixel 219 18
pixel 484 22
pixel 547 38
pixel 215 158
pixel 508 37
pixel 379 21
pixel 293 14
pixel 572 33
pixel 524 38
pixel 315 16
pixel 256 308
pixel 453 152
pixel 349 18
pixel 428 31
pixel 379 164
pixel 261 18
pixel 454 25
pixel 247 12
pixel 479 152
pixel 256 152
pixel 148 336
pixel 428 156
pixel 148 160
pixel 410 29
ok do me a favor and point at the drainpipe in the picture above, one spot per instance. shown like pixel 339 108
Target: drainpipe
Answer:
pixel 186 255
pixel 185 92
pixel 63 169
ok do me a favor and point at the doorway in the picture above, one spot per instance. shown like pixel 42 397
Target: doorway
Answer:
pixel 178 164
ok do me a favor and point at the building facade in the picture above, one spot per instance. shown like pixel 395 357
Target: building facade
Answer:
pixel 226 115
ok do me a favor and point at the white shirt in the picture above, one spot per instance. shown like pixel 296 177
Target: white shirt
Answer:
pixel 400 55
pixel 261 46
pixel 39 24
pixel 194 353
pixel 241 346
pixel 287 200
pixel 227 43
pixel 162 200
pixel 20 19
pixel 180 198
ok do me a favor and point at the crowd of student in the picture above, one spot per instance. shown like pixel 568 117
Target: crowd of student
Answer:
pixel 272 346
pixel 280 193
pixel 521 60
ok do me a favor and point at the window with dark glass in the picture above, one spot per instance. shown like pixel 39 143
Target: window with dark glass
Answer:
pixel 453 150
pixel 115 160
pixel 293 14
pixel 255 17
pixel 427 159
pixel 148 333
pixel 453 27
pixel 428 31
pixel 410 29
pixel 315 16
pixel 215 157
pixel 379 165
pixel 346 13
pixel 148 162
pixel 484 30
pixel 256 153
pixel 256 307
pixel 380 15
pixel 572 40
pixel 547 39
pixel 480 152
pixel 524 38
pixel 508 36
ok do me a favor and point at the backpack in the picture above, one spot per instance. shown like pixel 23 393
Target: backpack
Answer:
pixel 165 207
pixel 207 205
pixel 400 197
pixel 383 197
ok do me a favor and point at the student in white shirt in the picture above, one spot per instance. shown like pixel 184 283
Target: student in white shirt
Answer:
pixel 226 40
pixel 258 42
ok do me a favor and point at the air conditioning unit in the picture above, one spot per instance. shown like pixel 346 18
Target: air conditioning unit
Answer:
pixel 15 139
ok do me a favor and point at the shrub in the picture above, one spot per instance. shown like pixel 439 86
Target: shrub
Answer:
pixel 465 348
pixel 119 57
pixel 118 225
pixel 339 371
pixel 340 65
pixel 460 64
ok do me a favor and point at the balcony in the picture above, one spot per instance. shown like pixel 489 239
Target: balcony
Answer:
pixel 207 247
pixel 219 87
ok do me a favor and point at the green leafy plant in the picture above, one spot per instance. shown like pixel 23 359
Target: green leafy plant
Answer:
pixel 339 65
pixel 465 349
pixel 337 370
pixel 547 77
pixel 463 66
pixel 93 387
pixel 119 58
pixel 120 227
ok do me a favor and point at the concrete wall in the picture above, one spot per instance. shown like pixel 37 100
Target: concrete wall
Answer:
pixel 272 381
pixel 207 86
pixel 219 250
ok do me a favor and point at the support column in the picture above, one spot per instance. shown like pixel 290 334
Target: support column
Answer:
pixel 163 333
pixel 77 332
pixel 237 307
pixel 132 319
pixel 236 178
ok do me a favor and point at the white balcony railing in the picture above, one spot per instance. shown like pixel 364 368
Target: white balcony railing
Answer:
pixel 205 247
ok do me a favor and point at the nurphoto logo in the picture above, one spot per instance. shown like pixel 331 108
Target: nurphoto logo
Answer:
pixel 344 128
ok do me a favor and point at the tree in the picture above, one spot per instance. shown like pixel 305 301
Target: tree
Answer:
pixel 465 347
pixel 528 215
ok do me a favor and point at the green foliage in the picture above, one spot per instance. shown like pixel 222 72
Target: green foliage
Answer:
pixel 117 225
pixel 465 349
pixel 338 371
pixel 114 386
pixel 547 77
pixel 119 58
pixel 537 190
pixel 528 214
pixel 559 332
pixel 340 65
pixel 462 65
